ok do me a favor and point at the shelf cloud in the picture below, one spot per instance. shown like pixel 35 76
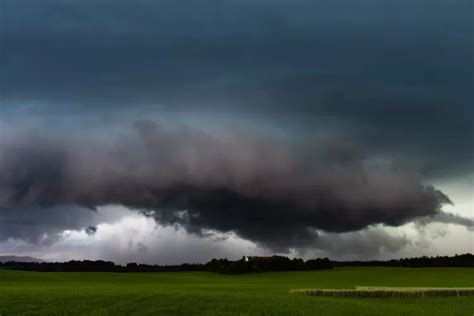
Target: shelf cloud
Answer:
pixel 264 189
pixel 283 122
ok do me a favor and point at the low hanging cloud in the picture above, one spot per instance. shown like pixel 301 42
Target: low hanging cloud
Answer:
pixel 264 189
pixel 368 243
pixel 91 230
pixel 449 219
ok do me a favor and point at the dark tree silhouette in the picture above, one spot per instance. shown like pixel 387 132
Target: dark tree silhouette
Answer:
pixel 244 265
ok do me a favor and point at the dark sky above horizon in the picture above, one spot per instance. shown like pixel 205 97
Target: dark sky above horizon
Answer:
pixel 340 128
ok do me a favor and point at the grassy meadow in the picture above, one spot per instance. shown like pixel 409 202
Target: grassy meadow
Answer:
pixel 203 293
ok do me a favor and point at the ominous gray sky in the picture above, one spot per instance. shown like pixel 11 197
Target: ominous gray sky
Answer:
pixel 299 127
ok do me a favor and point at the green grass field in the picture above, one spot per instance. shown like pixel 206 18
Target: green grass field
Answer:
pixel 202 293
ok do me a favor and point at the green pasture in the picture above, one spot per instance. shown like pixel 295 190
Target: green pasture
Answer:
pixel 202 293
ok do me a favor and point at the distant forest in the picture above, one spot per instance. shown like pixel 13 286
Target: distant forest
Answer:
pixel 244 265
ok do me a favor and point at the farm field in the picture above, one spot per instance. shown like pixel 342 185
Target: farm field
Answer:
pixel 203 293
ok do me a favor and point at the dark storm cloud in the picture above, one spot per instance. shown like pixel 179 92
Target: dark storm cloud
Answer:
pixel 450 219
pixel 395 74
pixel 40 225
pixel 365 244
pixel 265 189
pixel 91 230
pixel 368 94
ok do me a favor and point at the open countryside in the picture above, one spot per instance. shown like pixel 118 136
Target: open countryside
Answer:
pixel 206 293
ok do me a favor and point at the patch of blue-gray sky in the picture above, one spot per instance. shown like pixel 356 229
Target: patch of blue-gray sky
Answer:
pixel 387 71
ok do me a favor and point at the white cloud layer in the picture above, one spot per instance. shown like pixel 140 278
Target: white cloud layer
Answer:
pixel 137 238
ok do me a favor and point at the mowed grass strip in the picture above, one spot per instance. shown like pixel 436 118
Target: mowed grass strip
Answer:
pixel 384 292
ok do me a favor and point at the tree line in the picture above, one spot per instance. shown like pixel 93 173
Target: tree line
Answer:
pixel 265 264
pixel 253 264
pixel 464 260
pixel 225 266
